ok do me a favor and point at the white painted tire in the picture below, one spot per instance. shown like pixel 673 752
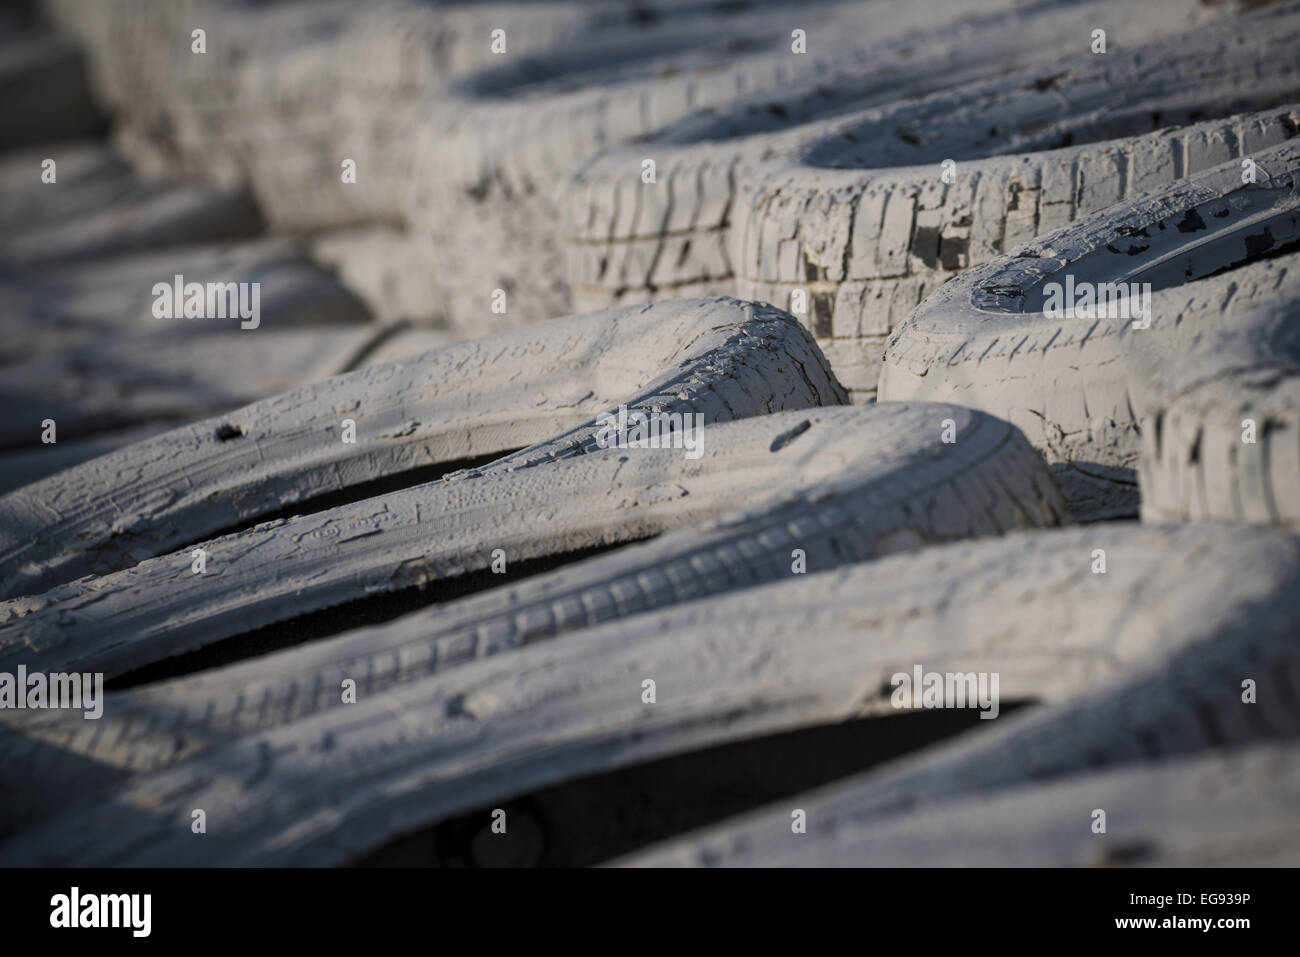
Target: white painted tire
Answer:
pixel 853 210
pixel 1221 809
pixel 1079 387
pixel 540 387
pixel 841 485
pixel 495 166
pixel 813 650
pixel 428 534
pixel 1188 699
pixel 1221 435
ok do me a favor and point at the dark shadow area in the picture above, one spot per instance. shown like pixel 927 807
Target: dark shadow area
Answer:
pixel 1210 239
pixel 42 84
pixel 393 482
pixel 599 817
pixel 327 622
pixel 32 786
pixel 874 142
pixel 1098 493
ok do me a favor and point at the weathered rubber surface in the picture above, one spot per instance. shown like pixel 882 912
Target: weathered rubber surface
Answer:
pixel 812 650
pixel 842 485
pixel 1077 386
pixel 865 267
pixel 169 375
pixel 1199 462
pixel 494 165
pixel 707 159
pixel 629 242
pixel 1184 701
pixel 19 468
pixel 461 144
pixel 464 161
pixel 1233 809
pixel 866 246
pixel 720 358
pixel 282 570
pixel 472 151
